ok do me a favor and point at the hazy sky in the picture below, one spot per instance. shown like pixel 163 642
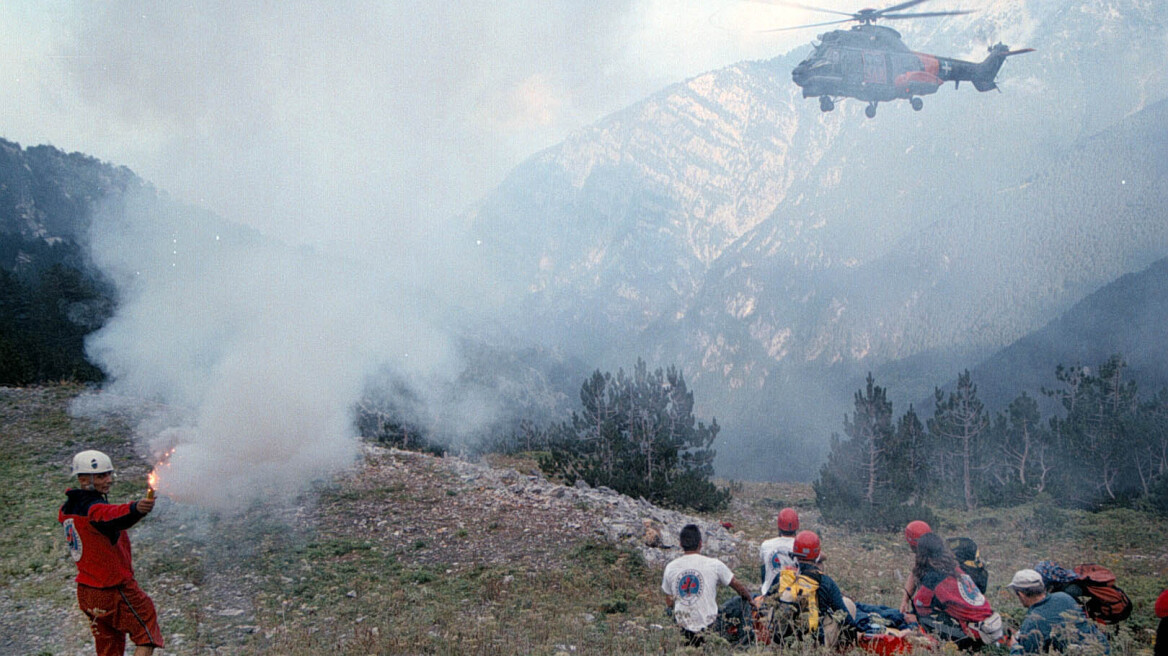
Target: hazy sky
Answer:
pixel 347 122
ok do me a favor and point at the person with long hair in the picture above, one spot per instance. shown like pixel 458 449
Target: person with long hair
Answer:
pixel 947 603
pixel 912 535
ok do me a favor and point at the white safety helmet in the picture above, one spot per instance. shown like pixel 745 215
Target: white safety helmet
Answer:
pixel 91 462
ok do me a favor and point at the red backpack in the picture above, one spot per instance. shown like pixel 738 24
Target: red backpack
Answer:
pixel 1106 603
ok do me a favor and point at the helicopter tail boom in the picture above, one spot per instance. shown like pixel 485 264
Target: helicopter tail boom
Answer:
pixel 987 70
pixel 981 74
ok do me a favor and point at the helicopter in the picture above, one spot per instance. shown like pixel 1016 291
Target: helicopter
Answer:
pixel 871 63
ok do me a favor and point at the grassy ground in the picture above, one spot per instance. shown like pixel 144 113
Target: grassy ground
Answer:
pixel 274 582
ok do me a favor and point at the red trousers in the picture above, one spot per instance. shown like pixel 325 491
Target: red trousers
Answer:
pixel 114 612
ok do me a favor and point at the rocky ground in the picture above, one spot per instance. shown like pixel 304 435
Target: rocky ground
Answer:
pixel 403 536
pixel 201 569
pixel 469 513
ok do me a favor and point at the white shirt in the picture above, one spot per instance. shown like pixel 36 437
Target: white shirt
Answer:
pixel 775 555
pixel 692 580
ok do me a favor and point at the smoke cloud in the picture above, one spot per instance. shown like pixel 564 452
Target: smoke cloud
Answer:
pixel 244 357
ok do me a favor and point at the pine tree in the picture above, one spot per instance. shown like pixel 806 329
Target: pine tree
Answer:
pixel 870 430
pixel 638 435
pixel 869 478
pixel 910 465
pixel 1149 452
pixel 1100 417
pixel 958 423
pixel 1025 444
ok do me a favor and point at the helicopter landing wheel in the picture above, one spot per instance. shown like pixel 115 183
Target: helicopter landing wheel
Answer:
pixel 826 104
pixel 917 104
pixel 870 110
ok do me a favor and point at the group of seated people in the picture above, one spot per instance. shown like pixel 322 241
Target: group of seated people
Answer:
pixel 799 601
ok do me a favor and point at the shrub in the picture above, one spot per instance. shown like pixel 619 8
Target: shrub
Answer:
pixel 1157 499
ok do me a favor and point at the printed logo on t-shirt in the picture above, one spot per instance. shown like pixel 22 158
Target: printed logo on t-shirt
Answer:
pixel 969 591
pixel 689 585
pixel 73 540
pixel 776 560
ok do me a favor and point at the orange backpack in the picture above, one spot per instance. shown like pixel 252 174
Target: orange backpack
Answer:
pixel 1107 603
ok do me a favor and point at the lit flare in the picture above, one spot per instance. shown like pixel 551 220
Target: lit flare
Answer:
pixel 152 477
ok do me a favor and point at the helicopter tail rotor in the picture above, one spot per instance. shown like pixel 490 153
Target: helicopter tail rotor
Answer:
pixel 986 71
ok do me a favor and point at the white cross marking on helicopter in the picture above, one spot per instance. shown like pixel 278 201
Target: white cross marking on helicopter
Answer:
pixel 945 67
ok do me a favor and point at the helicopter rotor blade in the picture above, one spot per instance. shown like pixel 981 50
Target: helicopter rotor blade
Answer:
pixel 796 5
pixel 799 27
pixel 863 16
pixel 927 14
pixel 903 5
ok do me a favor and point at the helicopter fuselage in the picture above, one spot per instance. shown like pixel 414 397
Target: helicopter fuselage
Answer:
pixel 871 63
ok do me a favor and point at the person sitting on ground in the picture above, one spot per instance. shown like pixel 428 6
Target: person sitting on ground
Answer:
pixel 810 602
pixel 947 603
pixel 775 553
pixel 912 534
pixel 1054 621
pixel 969 559
pixel 690 585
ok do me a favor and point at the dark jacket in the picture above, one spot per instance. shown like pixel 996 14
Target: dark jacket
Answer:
pixel 828 597
pixel 1054 623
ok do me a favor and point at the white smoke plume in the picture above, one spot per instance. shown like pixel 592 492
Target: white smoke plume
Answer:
pixel 246 356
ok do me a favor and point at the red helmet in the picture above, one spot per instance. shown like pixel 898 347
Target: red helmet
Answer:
pixel 806 546
pixel 1162 604
pixel 914 531
pixel 788 520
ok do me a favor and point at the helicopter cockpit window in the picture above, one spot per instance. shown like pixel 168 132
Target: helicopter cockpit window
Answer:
pixel 824 58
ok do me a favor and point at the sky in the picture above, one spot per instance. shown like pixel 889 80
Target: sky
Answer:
pixel 349 123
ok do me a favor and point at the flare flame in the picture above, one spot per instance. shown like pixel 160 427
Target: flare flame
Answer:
pixel 152 479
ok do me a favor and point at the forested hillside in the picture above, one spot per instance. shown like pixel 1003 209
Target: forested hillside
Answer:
pixel 51 293
pixel 50 297
pixel 1127 316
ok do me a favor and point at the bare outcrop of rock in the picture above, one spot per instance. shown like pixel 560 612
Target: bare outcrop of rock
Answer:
pixel 621 519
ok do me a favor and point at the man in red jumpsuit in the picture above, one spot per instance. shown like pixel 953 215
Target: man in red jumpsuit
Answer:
pixel 95 531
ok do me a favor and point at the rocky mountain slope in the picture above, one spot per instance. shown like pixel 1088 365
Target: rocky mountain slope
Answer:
pixel 777 253
pixel 773 251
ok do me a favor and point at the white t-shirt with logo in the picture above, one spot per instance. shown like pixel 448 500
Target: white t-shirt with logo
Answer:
pixel 775 555
pixel 692 580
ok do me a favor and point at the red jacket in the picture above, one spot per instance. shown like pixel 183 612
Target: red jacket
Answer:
pixel 95 531
pixel 954 595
